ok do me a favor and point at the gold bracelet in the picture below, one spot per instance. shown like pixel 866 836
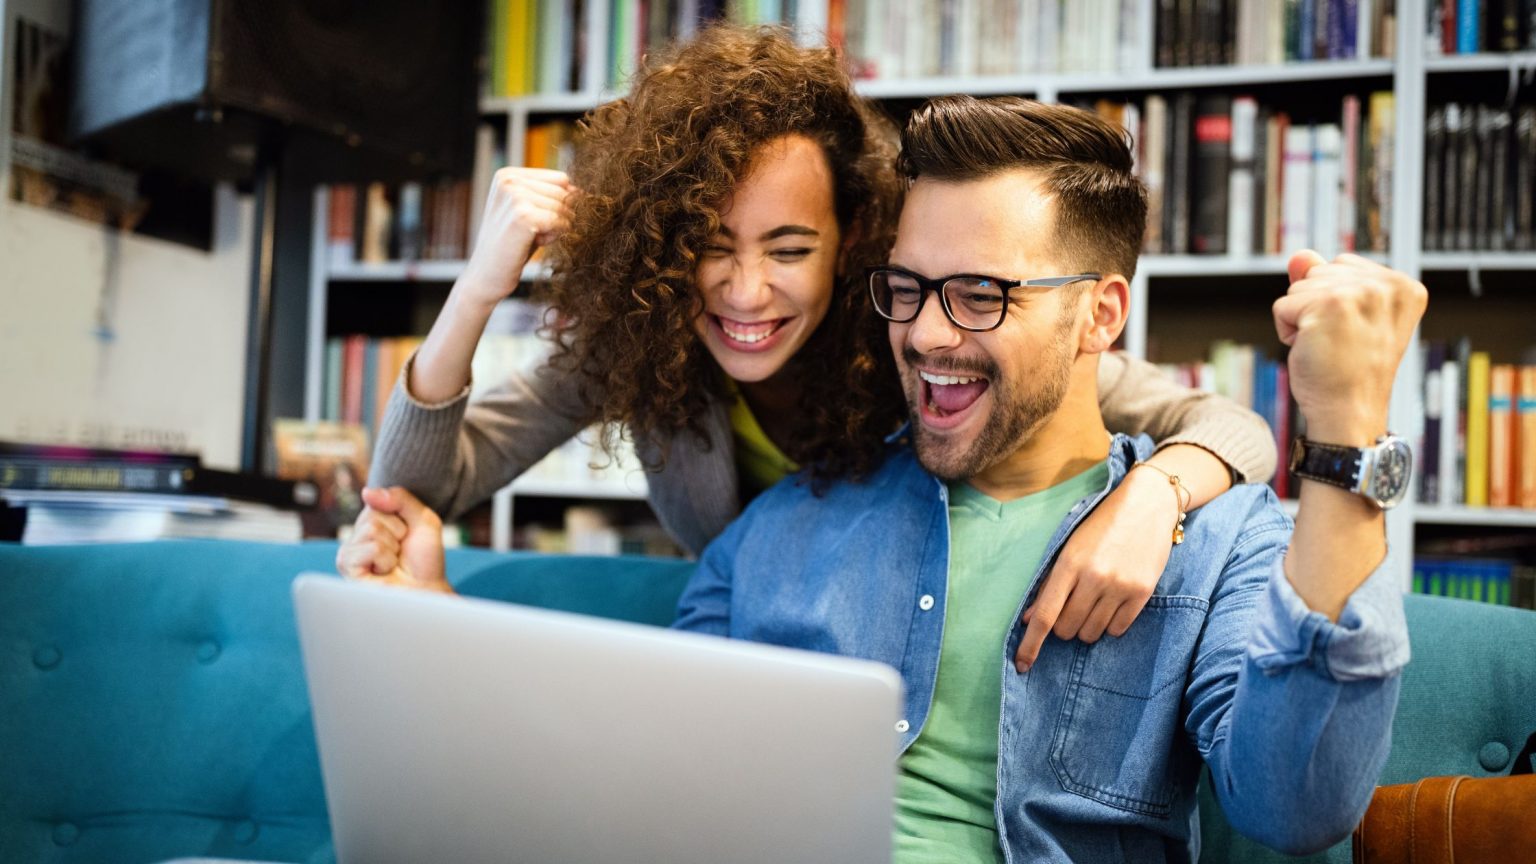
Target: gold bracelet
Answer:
pixel 1183 501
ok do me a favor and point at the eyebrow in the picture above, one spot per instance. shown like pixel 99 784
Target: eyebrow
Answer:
pixel 781 231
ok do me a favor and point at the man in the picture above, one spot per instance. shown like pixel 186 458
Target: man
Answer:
pixel 1275 667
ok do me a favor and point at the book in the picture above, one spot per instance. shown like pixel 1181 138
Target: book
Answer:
pixel 1452 420
pixel 1297 189
pixel 1154 162
pixel 1327 183
pixel 1429 444
pixel 1525 418
pixel 1211 172
pixel 1349 173
pixel 1176 228
pixel 1241 199
pixel 1468 26
pixel 1434 170
pixel 1382 113
pixel 341 215
pixel 1501 435
pixel 333 457
pixel 1477 429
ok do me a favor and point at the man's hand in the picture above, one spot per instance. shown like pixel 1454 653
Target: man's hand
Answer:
pixel 1348 323
pixel 397 540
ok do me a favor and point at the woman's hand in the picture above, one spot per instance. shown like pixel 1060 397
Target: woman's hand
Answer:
pixel 1112 562
pixel 525 209
pixel 397 540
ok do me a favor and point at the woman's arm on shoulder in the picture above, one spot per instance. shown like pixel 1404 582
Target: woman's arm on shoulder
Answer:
pixel 1136 397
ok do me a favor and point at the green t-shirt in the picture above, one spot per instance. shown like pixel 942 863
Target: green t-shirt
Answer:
pixel 948 782
pixel 759 462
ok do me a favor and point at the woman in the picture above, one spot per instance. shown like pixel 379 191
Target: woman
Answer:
pixel 708 281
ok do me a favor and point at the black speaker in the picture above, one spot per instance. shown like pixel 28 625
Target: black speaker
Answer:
pixel 367 89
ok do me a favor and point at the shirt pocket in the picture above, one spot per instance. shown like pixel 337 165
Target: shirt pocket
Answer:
pixel 1117 734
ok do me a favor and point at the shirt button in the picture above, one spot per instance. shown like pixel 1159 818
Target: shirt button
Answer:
pixel 902 726
pixel 926 602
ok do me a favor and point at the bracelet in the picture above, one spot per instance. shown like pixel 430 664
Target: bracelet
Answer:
pixel 1183 500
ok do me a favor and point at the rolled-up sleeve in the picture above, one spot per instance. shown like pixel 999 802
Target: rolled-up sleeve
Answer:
pixel 1370 639
pixel 1291 712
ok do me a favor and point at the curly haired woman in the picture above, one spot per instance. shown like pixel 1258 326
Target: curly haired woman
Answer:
pixel 711 304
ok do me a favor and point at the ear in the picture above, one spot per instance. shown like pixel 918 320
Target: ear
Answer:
pixel 1109 305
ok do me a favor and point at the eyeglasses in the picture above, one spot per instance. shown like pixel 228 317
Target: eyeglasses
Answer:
pixel 971 302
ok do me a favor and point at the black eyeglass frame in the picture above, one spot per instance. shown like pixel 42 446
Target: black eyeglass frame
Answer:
pixel 925 285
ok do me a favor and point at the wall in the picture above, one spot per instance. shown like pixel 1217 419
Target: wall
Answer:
pixel 114 339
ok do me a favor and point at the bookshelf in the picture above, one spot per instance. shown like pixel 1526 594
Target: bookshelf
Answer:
pixel 1406 67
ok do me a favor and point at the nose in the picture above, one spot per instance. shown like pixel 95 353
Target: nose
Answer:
pixel 932 330
pixel 745 289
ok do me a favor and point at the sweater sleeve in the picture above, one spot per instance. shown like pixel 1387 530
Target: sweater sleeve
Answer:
pixel 1136 398
pixel 455 454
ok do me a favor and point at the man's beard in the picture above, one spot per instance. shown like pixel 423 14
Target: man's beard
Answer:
pixel 1015 417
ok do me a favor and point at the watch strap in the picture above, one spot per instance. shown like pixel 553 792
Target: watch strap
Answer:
pixel 1333 464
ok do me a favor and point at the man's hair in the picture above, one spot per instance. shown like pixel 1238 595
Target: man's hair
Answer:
pixel 1085 161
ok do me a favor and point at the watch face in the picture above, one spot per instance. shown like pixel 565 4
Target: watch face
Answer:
pixel 1390 476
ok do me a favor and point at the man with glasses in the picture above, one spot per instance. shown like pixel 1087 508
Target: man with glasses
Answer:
pixel 1267 654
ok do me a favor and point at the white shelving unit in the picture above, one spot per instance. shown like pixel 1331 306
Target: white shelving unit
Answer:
pixel 1406 73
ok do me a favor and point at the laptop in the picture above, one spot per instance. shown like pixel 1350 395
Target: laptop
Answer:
pixel 454 729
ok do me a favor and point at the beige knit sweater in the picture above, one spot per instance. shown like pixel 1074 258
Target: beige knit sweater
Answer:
pixel 454 455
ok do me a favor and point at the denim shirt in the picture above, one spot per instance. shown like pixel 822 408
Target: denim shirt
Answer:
pixel 1099 746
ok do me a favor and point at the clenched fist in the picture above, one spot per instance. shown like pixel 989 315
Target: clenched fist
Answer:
pixel 525 209
pixel 1348 323
pixel 397 540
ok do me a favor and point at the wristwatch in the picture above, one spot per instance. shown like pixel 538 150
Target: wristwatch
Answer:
pixel 1378 474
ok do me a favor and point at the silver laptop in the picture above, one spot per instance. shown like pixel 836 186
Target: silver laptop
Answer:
pixel 463 730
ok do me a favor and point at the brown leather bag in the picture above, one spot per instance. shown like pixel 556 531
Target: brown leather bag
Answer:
pixel 1439 820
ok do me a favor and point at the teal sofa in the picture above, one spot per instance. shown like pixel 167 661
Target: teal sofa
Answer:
pixel 152 703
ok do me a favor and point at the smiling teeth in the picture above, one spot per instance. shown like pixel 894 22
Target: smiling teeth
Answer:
pixel 945 380
pixel 748 338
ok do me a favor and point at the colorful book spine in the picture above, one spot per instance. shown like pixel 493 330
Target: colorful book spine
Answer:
pixel 1501 435
pixel 1450 491
pixel 1469 26
pixel 1478 369
pixel 1525 416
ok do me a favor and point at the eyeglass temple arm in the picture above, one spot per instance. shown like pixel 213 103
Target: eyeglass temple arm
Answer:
pixel 1061 281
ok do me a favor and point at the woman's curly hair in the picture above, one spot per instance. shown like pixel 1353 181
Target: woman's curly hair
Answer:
pixel 655 170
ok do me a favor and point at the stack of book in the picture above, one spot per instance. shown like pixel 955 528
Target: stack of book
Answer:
pixel 965 38
pixel 1475 26
pixel 550 144
pixel 85 495
pixel 361 372
pixel 1254 32
pixel 1502 581
pixel 1480 177
pixel 378 222
pixel 1244 374
pixel 1227 176
pixel 1479 446
pixel 541 46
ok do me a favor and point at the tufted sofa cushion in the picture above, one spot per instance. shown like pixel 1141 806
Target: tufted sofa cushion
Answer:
pixel 152 699
pixel 1468 704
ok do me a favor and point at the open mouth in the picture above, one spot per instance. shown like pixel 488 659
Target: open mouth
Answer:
pixel 947 398
pixel 748 335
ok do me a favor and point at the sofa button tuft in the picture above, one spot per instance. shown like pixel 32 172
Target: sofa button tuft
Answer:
pixel 208 652
pixel 46 657
pixel 65 834
pixel 1494 756
pixel 245 833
